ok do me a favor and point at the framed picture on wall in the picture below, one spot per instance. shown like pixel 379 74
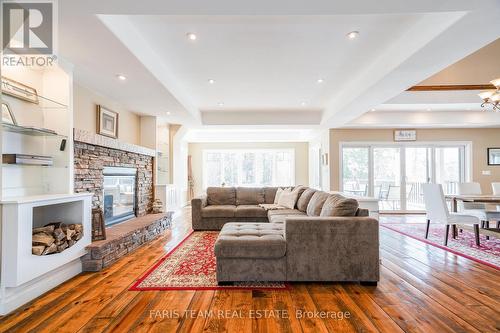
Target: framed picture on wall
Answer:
pixel 107 122
pixel 493 156
pixel 405 135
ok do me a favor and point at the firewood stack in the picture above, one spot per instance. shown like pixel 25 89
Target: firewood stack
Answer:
pixel 55 237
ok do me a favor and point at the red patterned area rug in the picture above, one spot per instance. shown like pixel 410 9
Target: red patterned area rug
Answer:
pixel 464 245
pixel 191 265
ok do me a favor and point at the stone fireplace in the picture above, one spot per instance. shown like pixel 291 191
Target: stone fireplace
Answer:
pixel 96 155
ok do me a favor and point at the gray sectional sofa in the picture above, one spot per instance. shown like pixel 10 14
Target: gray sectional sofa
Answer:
pixel 326 237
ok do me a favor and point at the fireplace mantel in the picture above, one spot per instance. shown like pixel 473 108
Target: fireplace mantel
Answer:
pixel 100 140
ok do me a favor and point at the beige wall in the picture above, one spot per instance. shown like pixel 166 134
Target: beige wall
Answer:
pixel 84 105
pixel 301 158
pixel 481 139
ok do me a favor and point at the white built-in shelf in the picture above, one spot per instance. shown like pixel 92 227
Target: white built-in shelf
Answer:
pixel 16 165
pixel 30 131
pixel 40 198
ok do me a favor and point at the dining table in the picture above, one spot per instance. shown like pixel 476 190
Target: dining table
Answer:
pixel 491 208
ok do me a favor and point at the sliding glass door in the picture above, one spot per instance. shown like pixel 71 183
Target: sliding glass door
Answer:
pixel 394 173
pixel 418 166
pixel 387 177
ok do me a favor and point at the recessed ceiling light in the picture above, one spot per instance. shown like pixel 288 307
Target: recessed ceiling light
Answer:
pixel 303 103
pixel 428 109
pixel 220 104
pixel 372 110
pixel 353 34
pixel 169 113
pixel 320 80
pixel 191 36
pixel 121 77
pixel 211 81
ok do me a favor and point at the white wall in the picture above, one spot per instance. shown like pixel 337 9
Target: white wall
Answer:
pixel 319 178
pixel 301 158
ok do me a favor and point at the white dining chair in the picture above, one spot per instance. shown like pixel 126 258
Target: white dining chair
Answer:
pixel 496 188
pixel 437 212
pixel 472 188
pixel 482 211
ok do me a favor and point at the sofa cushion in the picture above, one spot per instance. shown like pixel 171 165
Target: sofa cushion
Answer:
pixel 251 240
pixel 221 196
pixel 249 195
pixel 278 212
pixel 277 196
pixel 277 218
pixel 338 205
pixel 304 199
pixel 250 211
pixel 299 190
pixel 316 203
pixel 219 211
pixel 288 199
pixel 269 194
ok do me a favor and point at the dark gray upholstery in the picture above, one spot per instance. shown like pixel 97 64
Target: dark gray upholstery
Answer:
pixel 316 203
pixel 304 199
pixel 221 196
pixel 207 215
pixel 332 249
pixel 251 269
pixel 249 196
pixel 300 249
pixel 269 194
pixel 338 205
pixel 219 211
pixel 250 211
pixel 284 212
pixel 251 240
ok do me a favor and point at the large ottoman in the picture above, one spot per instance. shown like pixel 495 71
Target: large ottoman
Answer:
pixel 251 252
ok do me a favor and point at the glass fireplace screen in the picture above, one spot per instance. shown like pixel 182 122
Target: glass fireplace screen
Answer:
pixel 119 194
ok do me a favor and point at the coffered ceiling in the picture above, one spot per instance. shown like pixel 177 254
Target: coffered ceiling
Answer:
pixel 272 63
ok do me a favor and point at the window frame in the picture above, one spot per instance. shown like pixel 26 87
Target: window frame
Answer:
pixel 258 169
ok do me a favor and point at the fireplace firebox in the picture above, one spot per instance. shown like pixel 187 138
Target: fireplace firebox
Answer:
pixel 119 189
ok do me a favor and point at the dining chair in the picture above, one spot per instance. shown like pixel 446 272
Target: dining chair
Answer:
pixel 437 212
pixel 482 211
pixel 394 196
pixel 469 189
pixel 496 188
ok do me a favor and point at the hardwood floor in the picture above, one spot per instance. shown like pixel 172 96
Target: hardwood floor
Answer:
pixel 422 289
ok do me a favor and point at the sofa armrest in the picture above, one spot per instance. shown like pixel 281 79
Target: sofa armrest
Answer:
pixel 197 205
pixel 332 248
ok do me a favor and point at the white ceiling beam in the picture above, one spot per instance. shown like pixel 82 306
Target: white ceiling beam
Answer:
pixel 391 119
pixel 413 59
pixel 261 118
pixel 133 40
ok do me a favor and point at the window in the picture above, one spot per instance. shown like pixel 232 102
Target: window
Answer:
pixel 394 173
pixel 355 170
pixel 250 168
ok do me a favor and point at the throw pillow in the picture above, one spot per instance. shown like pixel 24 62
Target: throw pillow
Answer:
pixel 299 190
pixel 316 203
pixel 278 194
pixel 338 205
pixel 304 199
pixel 288 199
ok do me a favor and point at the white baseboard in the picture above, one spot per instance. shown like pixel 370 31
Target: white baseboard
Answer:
pixel 13 298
